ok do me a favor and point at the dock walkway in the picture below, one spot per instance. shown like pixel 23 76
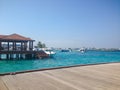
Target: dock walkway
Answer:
pixel 93 77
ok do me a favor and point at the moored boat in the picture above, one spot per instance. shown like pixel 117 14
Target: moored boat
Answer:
pixel 66 50
pixel 82 50
pixel 51 53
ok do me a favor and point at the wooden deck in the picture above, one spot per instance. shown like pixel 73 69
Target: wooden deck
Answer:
pixel 94 77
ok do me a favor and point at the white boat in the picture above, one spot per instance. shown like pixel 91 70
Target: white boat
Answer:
pixel 50 52
pixel 82 50
pixel 66 50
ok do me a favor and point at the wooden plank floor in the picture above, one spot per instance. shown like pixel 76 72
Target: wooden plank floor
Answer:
pixel 94 77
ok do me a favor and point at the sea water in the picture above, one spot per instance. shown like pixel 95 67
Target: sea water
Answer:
pixel 60 59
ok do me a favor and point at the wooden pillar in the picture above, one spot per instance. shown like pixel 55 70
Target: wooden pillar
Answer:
pixel 32 45
pixel 8 46
pixel 11 56
pixel 21 56
pixel 15 45
pixel 29 44
pixel 25 46
pixel 12 47
pixel 0 56
pixel 17 56
pixel 8 56
pixel 21 46
pixel 0 46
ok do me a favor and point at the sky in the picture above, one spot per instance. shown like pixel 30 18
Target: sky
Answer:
pixel 63 23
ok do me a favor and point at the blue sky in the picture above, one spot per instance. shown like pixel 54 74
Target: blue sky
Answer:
pixel 64 23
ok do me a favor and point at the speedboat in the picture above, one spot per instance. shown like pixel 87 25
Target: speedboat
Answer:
pixel 51 53
pixel 66 50
pixel 82 50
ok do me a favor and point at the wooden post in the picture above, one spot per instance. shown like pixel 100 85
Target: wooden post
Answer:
pixel 7 56
pixel 21 56
pixel 32 45
pixel 15 46
pixel 0 56
pixel 0 46
pixel 21 46
pixel 8 46
pixel 29 45
pixel 12 46
pixel 11 56
pixel 25 46
pixel 17 56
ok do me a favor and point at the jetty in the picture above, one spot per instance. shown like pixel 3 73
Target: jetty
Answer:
pixel 15 46
pixel 92 77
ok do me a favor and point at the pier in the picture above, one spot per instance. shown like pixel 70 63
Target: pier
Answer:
pixel 93 77
pixel 15 46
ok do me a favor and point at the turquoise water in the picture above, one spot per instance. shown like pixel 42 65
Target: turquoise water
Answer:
pixel 60 59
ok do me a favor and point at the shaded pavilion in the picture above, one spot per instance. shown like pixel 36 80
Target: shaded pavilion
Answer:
pixel 17 46
pixel 11 42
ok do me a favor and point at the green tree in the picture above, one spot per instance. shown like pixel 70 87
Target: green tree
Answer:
pixel 41 45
